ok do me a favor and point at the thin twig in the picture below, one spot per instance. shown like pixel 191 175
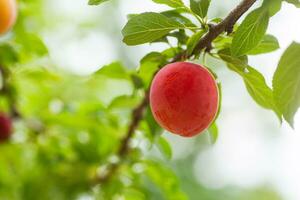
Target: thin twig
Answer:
pixel 205 43
pixel 137 116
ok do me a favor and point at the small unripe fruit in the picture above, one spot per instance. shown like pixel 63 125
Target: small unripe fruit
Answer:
pixel 8 15
pixel 5 127
pixel 184 98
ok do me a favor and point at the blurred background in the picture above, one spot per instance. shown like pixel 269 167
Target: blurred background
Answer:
pixel 253 158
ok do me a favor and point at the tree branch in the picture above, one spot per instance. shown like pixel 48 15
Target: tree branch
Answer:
pixel 225 25
pixel 137 116
pixel 205 43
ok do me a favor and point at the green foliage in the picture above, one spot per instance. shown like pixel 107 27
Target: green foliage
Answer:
pixel 8 54
pixel 148 27
pixel 286 83
pixel 149 66
pixel 268 44
pixel 193 41
pixel 96 2
pixel 273 6
pixel 295 2
pixel 165 180
pixel 164 147
pixel 213 133
pixel 250 32
pixel 200 7
pixel 177 16
pixel 254 81
pixel 171 3
pixel 114 70
pixel 69 128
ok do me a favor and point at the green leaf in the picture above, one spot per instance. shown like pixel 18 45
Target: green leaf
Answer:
pixel 148 27
pixel 240 62
pixel 124 102
pixel 295 2
pixel 164 147
pixel 147 71
pixel 193 41
pixel 149 65
pixel 31 45
pixel 171 52
pixel 176 15
pixel 286 83
pixel 165 180
pixel 254 81
pixel 171 3
pixel 163 39
pixel 154 57
pixel 250 32
pixel 152 128
pixel 216 20
pixel 200 7
pixel 137 81
pixel 213 133
pixel 258 88
pixel 129 16
pixel 134 194
pixel 8 55
pixel 113 70
pixel 273 6
pixel 96 2
pixel 180 36
pixel 268 44
pixel 222 42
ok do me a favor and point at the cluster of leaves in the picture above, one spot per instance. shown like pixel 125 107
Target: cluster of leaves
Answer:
pixel 70 127
pixel 247 39
pixel 65 138
pixel 189 25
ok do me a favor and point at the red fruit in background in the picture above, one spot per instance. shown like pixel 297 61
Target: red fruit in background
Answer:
pixel 184 98
pixel 8 15
pixel 5 127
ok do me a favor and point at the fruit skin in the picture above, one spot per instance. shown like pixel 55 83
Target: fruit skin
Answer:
pixel 184 98
pixel 5 127
pixel 8 15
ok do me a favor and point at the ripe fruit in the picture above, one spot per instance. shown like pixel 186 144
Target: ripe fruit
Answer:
pixel 5 127
pixel 184 98
pixel 8 15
